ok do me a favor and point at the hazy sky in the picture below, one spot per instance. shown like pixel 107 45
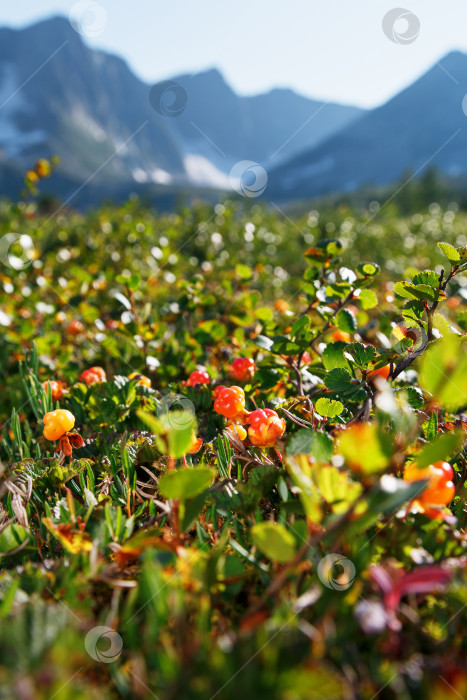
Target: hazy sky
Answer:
pixel 327 49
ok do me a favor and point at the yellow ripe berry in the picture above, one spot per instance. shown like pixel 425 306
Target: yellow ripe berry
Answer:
pixel 57 423
pixel 239 430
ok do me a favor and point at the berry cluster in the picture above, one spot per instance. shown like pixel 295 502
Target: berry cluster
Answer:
pixel 265 425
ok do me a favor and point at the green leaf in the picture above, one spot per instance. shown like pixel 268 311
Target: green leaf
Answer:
pixel 300 471
pixel 307 441
pixel 366 448
pixel 420 292
pixel 329 408
pixel 190 509
pixel 274 541
pixel 367 299
pixel 174 430
pixel 361 354
pixel 301 324
pixel 182 484
pixel 336 487
pixel 368 269
pixel 264 342
pixel 450 252
pixel 243 271
pixel 462 320
pixel 324 252
pixel 301 443
pixel 443 372
pixel 414 397
pixel 413 311
pixel 428 277
pixel 264 313
pixel 285 346
pixel 337 290
pixel 333 355
pixel 346 321
pixel 339 380
pixel 12 537
pixel 442 447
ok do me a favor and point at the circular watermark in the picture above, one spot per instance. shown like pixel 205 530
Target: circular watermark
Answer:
pixel 177 411
pixel 103 644
pixel 248 178
pixel 464 105
pixel 336 572
pixel 401 26
pixel 168 98
pixel 88 18
pixel 16 250
pixel 408 340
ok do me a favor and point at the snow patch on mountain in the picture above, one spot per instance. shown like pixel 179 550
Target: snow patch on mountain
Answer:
pixel 12 139
pixel 202 172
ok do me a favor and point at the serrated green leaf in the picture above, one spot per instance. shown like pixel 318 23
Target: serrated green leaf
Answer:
pixel 339 380
pixel 428 277
pixel 362 354
pixel 414 397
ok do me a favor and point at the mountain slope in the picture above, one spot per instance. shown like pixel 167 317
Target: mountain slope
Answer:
pixel 83 105
pixel 422 126
pixel 59 97
pixel 224 127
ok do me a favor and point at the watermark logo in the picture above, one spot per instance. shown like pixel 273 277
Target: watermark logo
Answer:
pixel 248 178
pixel 103 644
pixel 88 18
pixel 408 340
pixel 16 250
pixel 336 572
pixel 177 411
pixel 401 26
pixel 168 98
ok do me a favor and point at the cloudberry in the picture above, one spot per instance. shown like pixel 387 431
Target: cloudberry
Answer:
pixel 230 401
pixel 93 375
pixel 199 376
pixel 382 372
pixel 55 387
pixel 265 427
pixel 242 368
pixel 440 489
pixel 57 423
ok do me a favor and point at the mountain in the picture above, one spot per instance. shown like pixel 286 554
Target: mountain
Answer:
pixel 222 127
pixel 423 126
pixel 60 97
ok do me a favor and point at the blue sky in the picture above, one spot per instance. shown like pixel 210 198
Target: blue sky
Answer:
pixel 327 49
